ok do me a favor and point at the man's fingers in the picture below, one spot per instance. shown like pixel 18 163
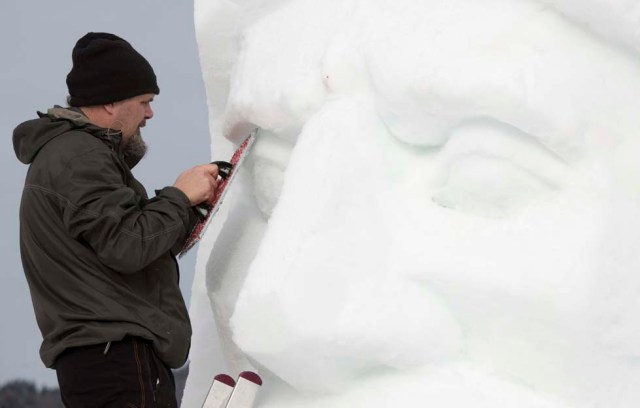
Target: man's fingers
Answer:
pixel 199 183
pixel 213 183
pixel 211 169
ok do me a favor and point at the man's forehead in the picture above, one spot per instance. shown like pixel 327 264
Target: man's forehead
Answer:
pixel 141 98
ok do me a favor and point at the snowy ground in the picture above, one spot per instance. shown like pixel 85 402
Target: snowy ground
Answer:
pixel 441 208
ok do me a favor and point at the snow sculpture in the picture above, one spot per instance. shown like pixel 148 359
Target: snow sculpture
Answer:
pixel 442 207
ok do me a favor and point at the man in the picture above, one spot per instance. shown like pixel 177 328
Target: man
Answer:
pixel 98 254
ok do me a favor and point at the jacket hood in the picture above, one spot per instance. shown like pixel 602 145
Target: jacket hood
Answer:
pixel 31 136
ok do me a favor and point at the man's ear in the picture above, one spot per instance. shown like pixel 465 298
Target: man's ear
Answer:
pixel 110 108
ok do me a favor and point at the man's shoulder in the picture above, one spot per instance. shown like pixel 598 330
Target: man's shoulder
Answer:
pixel 72 144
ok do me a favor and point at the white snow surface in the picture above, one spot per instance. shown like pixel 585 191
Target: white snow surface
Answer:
pixel 442 207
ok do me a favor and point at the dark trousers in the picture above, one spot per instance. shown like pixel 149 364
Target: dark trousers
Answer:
pixel 126 374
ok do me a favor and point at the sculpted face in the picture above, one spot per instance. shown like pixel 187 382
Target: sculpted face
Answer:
pixel 436 184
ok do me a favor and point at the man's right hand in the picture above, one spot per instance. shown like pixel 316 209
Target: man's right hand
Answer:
pixel 199 183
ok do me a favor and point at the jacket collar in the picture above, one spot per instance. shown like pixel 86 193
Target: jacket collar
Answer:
pixel 75 115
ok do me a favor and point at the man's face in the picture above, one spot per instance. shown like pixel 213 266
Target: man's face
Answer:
pixel 130 115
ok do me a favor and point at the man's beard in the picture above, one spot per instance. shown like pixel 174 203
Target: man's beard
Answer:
pixel 135 149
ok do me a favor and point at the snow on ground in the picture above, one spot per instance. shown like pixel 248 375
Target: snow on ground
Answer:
pixel 441 207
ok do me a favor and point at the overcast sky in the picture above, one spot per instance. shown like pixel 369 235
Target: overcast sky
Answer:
pixel 36 38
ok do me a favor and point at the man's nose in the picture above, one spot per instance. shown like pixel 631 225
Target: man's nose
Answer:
pixel 148 114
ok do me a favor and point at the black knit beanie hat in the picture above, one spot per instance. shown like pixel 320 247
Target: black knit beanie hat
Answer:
pixel 107 69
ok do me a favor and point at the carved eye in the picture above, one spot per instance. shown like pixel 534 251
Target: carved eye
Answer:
pixel 489 186
pixel 492 169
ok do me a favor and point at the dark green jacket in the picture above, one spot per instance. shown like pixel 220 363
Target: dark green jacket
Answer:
pixel 97 253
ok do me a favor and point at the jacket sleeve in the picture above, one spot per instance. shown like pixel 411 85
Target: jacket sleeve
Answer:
pixel 126 230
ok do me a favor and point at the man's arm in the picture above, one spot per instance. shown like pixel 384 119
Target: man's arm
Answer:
pixel 126 231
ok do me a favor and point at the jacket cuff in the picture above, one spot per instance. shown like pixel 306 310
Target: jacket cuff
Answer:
pixel 181 201
pixel 175 193
pixel 188 215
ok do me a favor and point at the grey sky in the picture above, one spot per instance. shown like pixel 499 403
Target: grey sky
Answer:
pixel 36 38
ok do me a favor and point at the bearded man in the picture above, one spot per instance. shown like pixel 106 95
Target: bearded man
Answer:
pixel 98 254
